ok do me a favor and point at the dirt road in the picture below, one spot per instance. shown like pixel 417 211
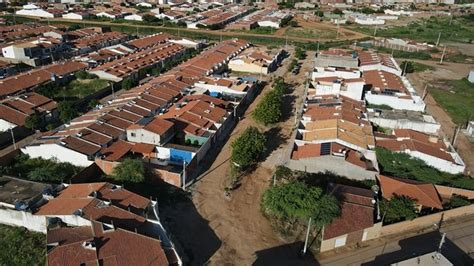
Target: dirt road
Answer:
pixel 232 231
pixel 446 71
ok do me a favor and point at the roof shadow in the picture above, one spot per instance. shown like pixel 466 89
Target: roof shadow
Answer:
pixel 284 255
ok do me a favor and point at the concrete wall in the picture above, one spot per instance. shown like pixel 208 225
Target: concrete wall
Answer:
pixel 333 164
pixel 395 102
pixel 141 135
pixel 240 65
pixel 429 128
pixel 447 192
pixel 25 219
pixel 353 237
pixel 426 221
pixel 440 164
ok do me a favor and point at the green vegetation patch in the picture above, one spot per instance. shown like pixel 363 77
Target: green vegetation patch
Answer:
pixel 404 166
pixel 457 98
pixel 460 29
pixel 38 169
pixel 300 32
pixel 268 110
pixel 21 247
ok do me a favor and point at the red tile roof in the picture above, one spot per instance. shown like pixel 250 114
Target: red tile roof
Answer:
pixel 425 194
pixel 357 211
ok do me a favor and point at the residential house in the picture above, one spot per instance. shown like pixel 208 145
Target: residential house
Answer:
pixel 256 61
pixel 335 135
pixel 156 131
pixel 403 119
pixel 357 222
pixel 433 151
pixel 424 194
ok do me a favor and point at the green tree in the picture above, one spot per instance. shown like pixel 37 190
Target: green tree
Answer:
pixel 407 67
pixel 66 111
pixel 247 148
pixel 33 121
pixel 150 18
pixel 21 247
pixel 93 103
pixel 297 200
pixel 268 110
pixel 398 208
pixel 283 172
pixel 130 170
pixel 458 201
pixel 127 84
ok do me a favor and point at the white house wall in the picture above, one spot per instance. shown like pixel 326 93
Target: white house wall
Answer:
pixel 143 136
pixel 429 128
pixel 438 163
pixel 5 125
pixel 23 219
pixel 395 102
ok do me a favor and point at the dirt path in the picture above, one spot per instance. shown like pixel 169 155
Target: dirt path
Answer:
pixel 446 71
pixel 238 222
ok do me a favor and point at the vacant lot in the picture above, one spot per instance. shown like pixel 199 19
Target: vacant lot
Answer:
pixel 21 247
pixel 80 88
pixel 457 98
pixel 311 33
pixel 459 29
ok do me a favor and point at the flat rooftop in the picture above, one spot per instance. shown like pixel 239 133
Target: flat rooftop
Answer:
pixel 13 189
pixel 402 114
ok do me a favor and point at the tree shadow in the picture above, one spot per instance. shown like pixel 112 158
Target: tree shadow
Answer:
pixel 274 139
pixel 194 239
pixel 288 107
pixel 289 254
pixel 420 245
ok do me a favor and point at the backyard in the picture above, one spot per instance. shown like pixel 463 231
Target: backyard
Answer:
pixel 74 90
pixel 456 97
pixel 21 247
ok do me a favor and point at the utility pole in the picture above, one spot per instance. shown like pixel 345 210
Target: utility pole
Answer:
pixel 286 42
pixel 405 69
pixel 425 92
pixel 184 175
pixel 375 31
pixel 456 133
pixel 442 56
pixel 337 32
pixel 303 252
pixel 13 138
pixel 439 37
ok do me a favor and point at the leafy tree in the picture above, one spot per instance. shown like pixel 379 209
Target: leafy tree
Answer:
pixel 297 200
pixel 268 111
pixel 319 13
pixel 85 75
pixel 458 201
pixel 130 170
pixel 21 247
pixel 247 148
pixel 127 84
pixel 283 172
pixel 299 53
pixel 33 121
pixel 74 27
pixel 93 103
pixel 398 208
pixel 293 24
pixel 337 11
pixel 407 67
pixel 66 111
pixel 150 18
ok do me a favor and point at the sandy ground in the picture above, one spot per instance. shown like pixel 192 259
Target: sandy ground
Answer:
pixel 344 34
pixel 216 230
pixel 446 71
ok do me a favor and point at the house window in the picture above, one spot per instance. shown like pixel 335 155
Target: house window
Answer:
pixel 133 134
pixel 340 242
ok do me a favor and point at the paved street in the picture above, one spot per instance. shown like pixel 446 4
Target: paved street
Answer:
pixel 461 237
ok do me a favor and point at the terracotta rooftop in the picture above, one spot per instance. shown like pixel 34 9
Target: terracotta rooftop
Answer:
pixel 425 194
pixel 357 211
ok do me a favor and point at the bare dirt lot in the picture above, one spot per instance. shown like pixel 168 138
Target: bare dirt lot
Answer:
pixel 446 71
pixel 237 233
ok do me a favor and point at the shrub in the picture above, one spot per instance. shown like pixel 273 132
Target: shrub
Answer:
pixel 130 170
pixel 398 208
pixel 247 148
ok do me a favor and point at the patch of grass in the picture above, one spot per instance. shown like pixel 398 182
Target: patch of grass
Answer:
pixel 81 88
pixel 21 247
pixel 419 67
pixel 427 30
pixel 457 100
pixel 311 33
pixel 404 166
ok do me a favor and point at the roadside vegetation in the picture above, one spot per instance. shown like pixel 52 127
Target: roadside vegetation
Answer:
pixel 404 166
pixel 268 111
pixel 247 148
pixel 411 67
pixel 21 247
pixel 457 98
pixel 41 170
